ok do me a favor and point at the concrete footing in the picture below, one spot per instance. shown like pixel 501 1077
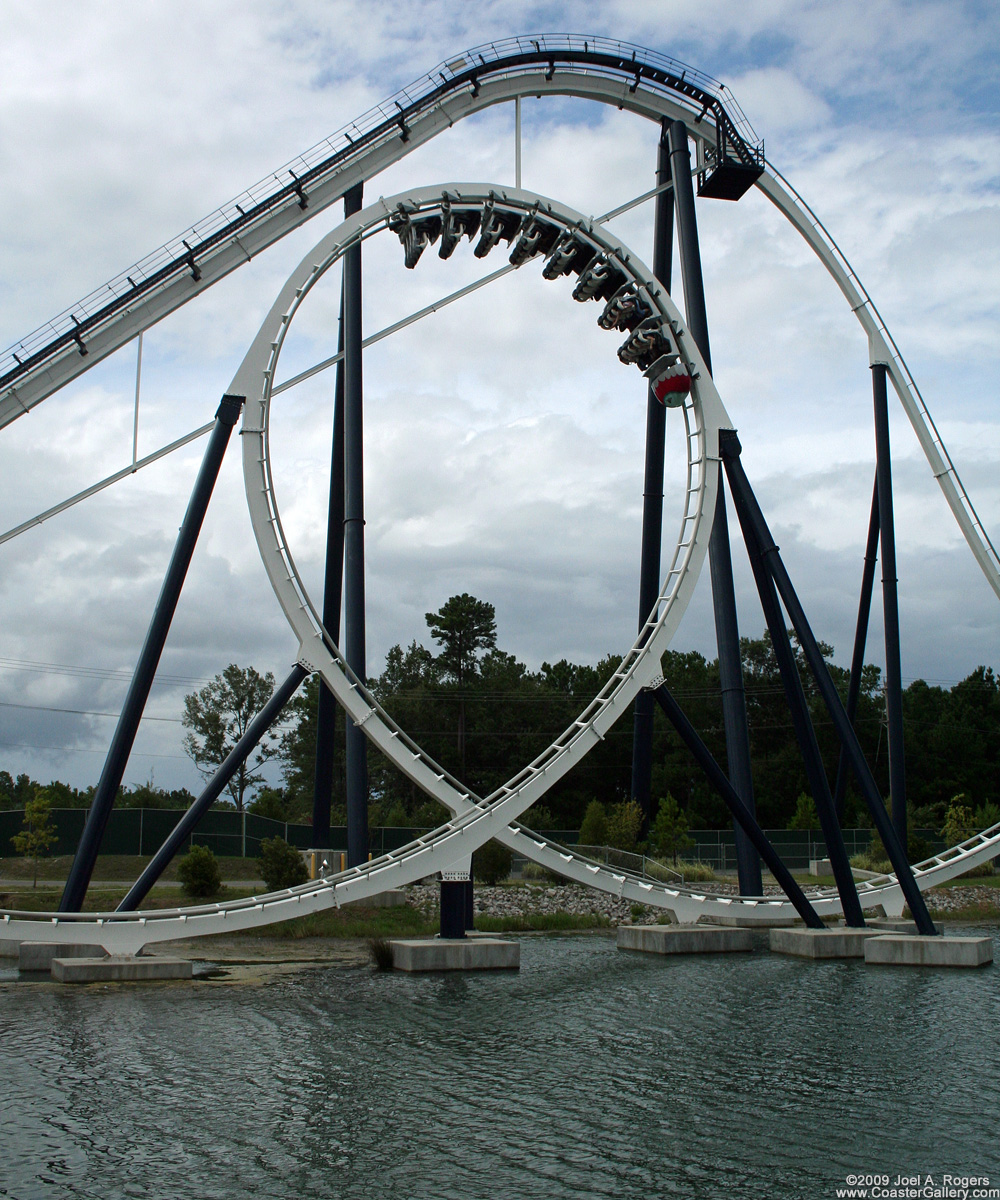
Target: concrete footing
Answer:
pixel 891 925
pixel 38 956
pixel 9 948
pixel 684 939
pixel 456 954
pixel 839 942
pixel 922 951
pixel 764 921
pixel 119 968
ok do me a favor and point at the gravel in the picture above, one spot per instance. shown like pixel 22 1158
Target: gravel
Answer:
pixel 572 898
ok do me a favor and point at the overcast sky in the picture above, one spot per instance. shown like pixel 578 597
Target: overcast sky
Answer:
pixel 504 440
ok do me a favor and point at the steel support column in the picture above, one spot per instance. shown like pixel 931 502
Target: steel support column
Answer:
pixel 747 821
pixel 354 541
pixel 804 732
pixel 78 880
pixel 734 708
pixel 729 449
pixel 860 640
pixel 333 586
pixel 890 606
pixel 453 908
pixel 260 724
pixel 652 496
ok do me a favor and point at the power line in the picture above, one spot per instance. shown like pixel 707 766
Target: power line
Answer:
pixel 46 668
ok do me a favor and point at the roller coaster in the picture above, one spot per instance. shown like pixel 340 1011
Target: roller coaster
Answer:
pixel 670 350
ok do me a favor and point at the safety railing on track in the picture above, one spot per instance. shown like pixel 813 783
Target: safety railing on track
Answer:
pixel 289 183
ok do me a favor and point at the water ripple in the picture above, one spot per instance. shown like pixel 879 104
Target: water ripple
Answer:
pixel 590 1073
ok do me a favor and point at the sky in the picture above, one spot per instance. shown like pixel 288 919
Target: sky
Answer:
pixel 504 442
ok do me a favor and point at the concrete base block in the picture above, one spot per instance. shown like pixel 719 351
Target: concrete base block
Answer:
pixel 38 956
pixel 745 921
pixel 9 948
pixel 456 954
pixel 119 968
pixel 891 925
pixel 922 951
pixel 684 939
pixel 839 942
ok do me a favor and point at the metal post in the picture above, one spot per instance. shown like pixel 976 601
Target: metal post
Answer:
pixel 860 638
pixel 734 707
pixel 354 541
pixel 746 819
pixel 804 731
pixel 652 497
pixel 729 450
pixel 80 872
pixel 453 908
pixel 213 789
pixel 333 584
pixel 890 606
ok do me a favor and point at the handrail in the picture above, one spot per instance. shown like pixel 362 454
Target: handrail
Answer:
pixel 290 183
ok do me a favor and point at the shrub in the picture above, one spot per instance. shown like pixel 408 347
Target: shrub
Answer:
pixel 491 863
pixel 624 824
pixel 594 830
pixel 199 873
pixel 281 865
pixel 959 821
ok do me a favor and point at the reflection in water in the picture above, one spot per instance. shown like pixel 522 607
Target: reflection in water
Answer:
pixel 591 1073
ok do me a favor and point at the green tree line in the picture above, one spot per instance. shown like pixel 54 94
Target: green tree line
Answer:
pixel 483 714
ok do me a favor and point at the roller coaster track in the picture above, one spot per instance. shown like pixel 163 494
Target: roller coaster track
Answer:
pixel 610 72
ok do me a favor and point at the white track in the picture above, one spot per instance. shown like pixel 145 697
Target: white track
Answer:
pixel 476 820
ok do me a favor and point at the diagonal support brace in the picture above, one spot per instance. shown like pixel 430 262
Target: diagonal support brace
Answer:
pixel 729 450
pixel 748 823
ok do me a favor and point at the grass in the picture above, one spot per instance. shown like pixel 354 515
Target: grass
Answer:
pixel 380 951
pixel 119 868
pixel 46 899
pixel 353 921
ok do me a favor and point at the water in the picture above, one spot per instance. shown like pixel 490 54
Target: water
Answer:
pixel 591 1073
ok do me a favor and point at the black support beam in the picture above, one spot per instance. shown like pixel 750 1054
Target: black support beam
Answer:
pixel 75 890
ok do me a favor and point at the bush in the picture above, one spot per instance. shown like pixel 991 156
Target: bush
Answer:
pixel 281 865
pixel 624 825
pixel 594 830
pixel 199 873
pixel 491 863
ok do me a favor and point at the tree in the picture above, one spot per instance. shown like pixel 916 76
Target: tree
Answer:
pixel 462 626
pixel 669 833
pixel 805 816
pixel 38 834
pixel 219 715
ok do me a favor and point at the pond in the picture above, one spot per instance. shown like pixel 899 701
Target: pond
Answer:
pixel 589 1073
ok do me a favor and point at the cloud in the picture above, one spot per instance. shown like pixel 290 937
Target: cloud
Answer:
pixel 504 440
